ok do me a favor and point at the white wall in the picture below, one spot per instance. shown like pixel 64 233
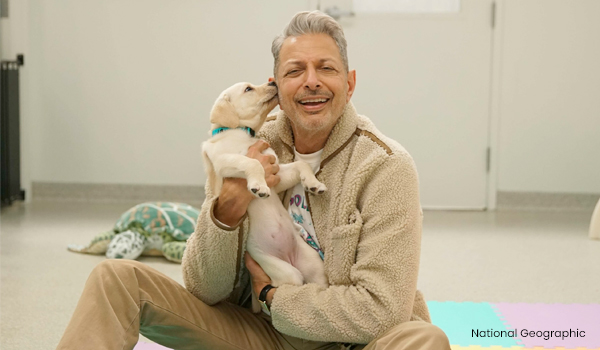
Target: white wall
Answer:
pixel 119 91
pixel 124 88
pixel 549 137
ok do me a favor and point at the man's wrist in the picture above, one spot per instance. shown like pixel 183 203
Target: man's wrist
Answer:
pixel 265 296
pixel 219 223
pixel 228 212
pixel 232 203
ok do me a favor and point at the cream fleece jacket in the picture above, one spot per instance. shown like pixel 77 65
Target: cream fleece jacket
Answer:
pixel 368 224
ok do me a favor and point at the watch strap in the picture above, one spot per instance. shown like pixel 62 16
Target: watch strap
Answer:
pixel 263 293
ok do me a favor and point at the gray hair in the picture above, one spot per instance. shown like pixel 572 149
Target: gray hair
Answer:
pixel 311 22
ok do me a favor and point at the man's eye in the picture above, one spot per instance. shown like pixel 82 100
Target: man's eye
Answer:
pixel 293 71
pixel 249 88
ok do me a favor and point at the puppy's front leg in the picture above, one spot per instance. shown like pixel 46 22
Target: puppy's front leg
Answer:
pixel 237 165
pixel 289 176
pixel 292 173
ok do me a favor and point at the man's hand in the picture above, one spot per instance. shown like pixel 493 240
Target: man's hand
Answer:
pixel 258 277
pixel 266 160
pixel 235 197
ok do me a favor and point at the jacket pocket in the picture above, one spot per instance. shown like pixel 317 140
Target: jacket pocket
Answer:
pixel 341 255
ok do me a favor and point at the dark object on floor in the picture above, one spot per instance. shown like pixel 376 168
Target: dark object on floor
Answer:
pixel 10 132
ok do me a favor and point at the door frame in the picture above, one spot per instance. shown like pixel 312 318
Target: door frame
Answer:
pixel 497 23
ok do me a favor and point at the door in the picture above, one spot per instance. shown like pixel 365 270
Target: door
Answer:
pixel 424 80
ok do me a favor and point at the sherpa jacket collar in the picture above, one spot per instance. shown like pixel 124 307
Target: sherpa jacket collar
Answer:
pixel 340 135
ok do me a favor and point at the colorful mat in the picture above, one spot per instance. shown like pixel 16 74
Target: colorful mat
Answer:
pixel 508 326
pixel 475 347
pixel 477 326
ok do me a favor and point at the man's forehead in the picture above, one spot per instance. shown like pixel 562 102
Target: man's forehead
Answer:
pixel 294 61
pixel 298 49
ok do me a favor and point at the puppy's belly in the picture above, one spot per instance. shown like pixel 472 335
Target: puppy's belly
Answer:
pixel 271 229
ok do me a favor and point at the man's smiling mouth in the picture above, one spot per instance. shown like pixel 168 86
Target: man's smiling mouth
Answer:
pixel 313 103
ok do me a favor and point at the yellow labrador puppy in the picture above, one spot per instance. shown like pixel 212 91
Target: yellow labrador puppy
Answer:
pixel 274 240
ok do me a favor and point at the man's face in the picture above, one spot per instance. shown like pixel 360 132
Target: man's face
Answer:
pixel 314 86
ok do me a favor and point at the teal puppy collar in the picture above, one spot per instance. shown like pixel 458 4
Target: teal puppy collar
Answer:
pixel 223 128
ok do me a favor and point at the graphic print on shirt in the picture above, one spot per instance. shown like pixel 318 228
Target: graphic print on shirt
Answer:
pixel 298 207
pixel 297 218
pixel 302 218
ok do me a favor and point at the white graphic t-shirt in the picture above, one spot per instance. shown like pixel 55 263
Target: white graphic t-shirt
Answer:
pixel 298 208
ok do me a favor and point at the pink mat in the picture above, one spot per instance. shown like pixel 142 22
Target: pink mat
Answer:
pixel 571 318
pixel 149 346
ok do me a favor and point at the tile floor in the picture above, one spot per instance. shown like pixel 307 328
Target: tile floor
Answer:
pixel 504 256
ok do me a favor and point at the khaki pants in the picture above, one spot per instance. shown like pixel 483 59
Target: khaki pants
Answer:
pixel 123 298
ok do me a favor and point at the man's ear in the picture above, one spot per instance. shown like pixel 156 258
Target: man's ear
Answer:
pixel 351 84
pixel 223 113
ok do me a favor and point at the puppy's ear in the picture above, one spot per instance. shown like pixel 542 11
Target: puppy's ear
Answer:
pixel 223 113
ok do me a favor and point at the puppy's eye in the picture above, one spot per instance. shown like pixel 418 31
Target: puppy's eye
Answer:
pixel 249 88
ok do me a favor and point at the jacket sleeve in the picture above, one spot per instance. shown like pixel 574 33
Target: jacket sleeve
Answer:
pixel 212 260
pixel 383 264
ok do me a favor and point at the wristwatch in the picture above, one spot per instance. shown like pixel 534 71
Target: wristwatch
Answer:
pixel 262 298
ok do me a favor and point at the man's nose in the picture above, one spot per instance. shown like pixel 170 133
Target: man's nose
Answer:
pixel 272 83
pixel 312 79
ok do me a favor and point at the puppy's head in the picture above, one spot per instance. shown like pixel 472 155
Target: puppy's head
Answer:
pixel 244 104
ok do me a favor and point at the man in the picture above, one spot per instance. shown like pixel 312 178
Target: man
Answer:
pixel 367 226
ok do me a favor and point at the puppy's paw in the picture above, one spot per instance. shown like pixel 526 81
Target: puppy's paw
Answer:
pixel 260 190
pixel 313 186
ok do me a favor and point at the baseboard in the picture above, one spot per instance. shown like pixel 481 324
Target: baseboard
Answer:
pixel 115 193
pixel 547 201
pixel 121 193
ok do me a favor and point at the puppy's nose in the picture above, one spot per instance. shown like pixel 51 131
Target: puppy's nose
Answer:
pixel 272 83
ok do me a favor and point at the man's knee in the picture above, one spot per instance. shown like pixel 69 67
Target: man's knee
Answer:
pixel 431 336
pixel 436 335
pixel 111 268
pixel 116 264
pixel 412 335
